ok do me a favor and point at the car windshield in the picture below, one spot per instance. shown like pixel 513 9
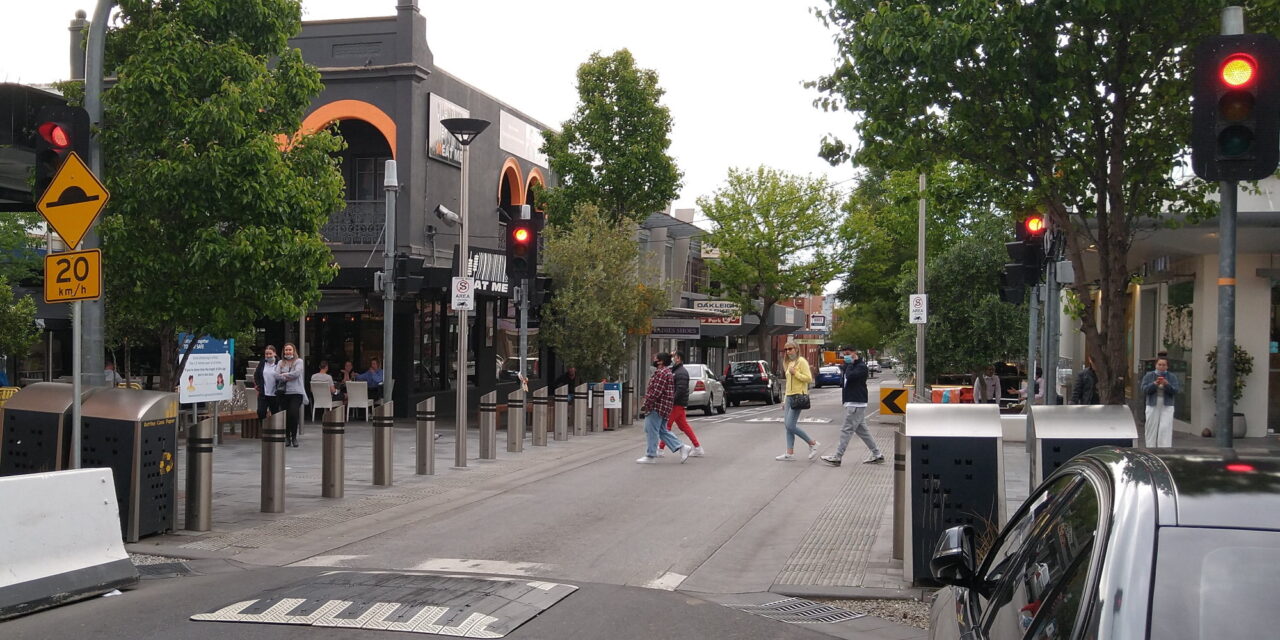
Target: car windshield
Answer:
pixel 746 367
pixel 695 370
pixel 1209 580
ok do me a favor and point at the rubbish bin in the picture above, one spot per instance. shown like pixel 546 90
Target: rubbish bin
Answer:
pixel 135 434
pixel 37 428
pixel 1060 433
pixel 954 476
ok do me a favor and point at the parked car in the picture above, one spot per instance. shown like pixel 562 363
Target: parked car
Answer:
pixel 873 367
pixel 705 390
pixel 752 380
pixel 1120 544
pixel 828 374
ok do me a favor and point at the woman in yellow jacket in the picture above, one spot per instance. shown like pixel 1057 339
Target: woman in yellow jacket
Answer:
pixel 798 379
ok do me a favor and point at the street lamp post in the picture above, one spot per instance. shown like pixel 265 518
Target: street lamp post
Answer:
pixel 464 130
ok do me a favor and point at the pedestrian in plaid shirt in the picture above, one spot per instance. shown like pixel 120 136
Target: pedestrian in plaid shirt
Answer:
pixel 658 399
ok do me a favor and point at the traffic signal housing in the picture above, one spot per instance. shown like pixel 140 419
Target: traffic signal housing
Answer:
pixel 60 130
pixel 1027 255
pixel 523 228
pixel 1235 108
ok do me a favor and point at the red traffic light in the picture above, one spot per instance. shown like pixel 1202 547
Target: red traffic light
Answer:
pixel 54 134
pixel 520 235
pixel 1034 226
pixel 1239 70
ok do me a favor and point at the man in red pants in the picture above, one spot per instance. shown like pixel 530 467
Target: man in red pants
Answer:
pixel 677 417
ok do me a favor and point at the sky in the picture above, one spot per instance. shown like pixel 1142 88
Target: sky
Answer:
pixel 732 69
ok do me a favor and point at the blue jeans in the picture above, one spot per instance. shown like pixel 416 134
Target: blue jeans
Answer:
pixel 655 428
pixel 789 418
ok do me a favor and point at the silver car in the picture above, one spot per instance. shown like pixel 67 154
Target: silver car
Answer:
pixel 705 390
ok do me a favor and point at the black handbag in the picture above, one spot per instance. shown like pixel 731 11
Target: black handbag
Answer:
pixel 798 401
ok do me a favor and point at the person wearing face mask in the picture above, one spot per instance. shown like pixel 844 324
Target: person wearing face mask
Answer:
pixel 854 396
pixel 264 380
pixel 290 390
pixel 659 397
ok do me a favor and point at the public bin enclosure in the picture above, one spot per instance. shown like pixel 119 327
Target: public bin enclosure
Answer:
pixel 1060 433
pixel 954 476
pixel 135 434
pixel 37 428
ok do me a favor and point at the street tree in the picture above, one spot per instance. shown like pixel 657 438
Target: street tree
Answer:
pixel 779 237
pixel 969 327
pixel 853 326
pixel 603 298
pixel 18 245
pixel 613 152
pixel 18 329
pixel 1081 105
pixel 216 198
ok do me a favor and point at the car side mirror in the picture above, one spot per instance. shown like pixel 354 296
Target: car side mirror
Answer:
pixel 954 561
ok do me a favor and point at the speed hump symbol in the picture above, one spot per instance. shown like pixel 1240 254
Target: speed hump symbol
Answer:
pixel 73 275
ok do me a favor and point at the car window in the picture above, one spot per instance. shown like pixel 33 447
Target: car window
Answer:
pixel 1215 583
pixel 746 367
pixel 1056 618
pixel 1003 554
pixel 695 370
pixel 1062 538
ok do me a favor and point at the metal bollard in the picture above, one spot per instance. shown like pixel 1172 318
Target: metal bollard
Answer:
pixel 273 464
pixel 628 404
pixel 427 437
pixel 597 409
pixel 200 475
pixel 489 426
pixel 515 422
pixel 580 410
pixel 899 492
pixel 333 465
pixel 384 441
pixel 562 413
pixel 540 417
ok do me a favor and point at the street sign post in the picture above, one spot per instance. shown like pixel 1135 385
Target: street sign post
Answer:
pixel 73 275
pixel 918 308
pixel 73 200
pixel 464 294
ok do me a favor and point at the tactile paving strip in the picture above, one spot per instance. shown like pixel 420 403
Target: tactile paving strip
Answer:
pixel 462 606
pixel 828 555
pixel 799 611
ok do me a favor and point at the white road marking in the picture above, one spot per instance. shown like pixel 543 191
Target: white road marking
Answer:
pixel 328 561
pixel 469 565
pixel 668 581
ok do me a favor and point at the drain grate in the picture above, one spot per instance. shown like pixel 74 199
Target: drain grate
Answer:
pixel 163 570
pixel 799 611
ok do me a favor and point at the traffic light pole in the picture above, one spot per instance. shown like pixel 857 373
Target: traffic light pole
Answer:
pixel 1051 321
pixel 524 325
pixel 1232 24
pixel 922 394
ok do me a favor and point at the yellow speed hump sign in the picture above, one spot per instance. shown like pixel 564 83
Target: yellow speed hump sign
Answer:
pixel 73 275
pixel 73 200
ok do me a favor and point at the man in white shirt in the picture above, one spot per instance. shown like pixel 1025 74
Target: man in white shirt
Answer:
pixel 323 376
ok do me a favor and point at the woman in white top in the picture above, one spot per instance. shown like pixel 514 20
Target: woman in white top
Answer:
pixel 264 380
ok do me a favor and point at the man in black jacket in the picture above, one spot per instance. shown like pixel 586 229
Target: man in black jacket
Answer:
pixel 854 397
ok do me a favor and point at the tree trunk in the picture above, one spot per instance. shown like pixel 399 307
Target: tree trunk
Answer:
pixel 766 351
pixel 168 358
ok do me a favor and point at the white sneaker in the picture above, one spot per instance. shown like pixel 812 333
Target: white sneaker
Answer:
pixel 785 456
pixel 813 449
pixel 684 453
pixel 874 459
pixel 660 453
pixel 646 460
pixel 697 452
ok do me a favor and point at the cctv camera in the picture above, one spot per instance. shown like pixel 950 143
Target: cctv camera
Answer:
pixel 448 217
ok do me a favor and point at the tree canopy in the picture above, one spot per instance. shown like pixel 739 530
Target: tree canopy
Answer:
pixel 613 152
pixel 600 301
pixel 1081 106
pixel 217 201
pixel 779 237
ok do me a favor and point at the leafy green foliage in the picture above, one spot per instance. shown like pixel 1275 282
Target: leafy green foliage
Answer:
pixel 1081 106
pixel 600 301
pixel 18 329
pixel 613 152
pixel 852 326
pixel 213 224
pixel 969 327
pixel 778 235
pixel 18 257
pixel 1241 361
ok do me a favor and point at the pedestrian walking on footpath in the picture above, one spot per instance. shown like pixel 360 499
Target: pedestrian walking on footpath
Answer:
pixel 986 387
pixel 290 391
pixel 679 405
pixel 798 378
pixel 658 399
pixel 1160 388
pixel 854 396
pixel 1085 389
pixel 264 380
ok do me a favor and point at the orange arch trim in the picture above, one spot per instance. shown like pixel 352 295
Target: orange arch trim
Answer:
pixel 511 171
pixel 535 177
pixel 352 110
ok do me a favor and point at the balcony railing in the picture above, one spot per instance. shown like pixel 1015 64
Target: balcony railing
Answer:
pixel 360 223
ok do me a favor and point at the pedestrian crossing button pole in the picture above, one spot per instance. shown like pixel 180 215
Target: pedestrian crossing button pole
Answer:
pixel 332 457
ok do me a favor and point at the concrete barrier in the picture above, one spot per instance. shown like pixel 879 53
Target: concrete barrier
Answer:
pixel 60 540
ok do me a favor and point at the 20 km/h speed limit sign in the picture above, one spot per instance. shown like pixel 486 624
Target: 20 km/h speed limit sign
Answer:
pixel 73 275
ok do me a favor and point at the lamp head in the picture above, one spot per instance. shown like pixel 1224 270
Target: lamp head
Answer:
pixel 446 216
